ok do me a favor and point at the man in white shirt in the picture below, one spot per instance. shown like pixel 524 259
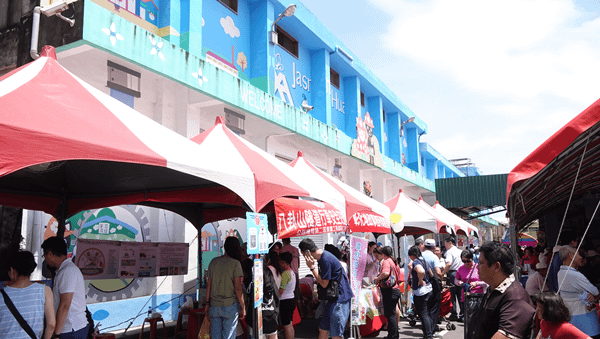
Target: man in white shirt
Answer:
pixel 535 281
pixel 68 290
pixel 453 262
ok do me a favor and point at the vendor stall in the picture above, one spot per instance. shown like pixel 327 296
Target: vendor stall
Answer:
pixel 411 218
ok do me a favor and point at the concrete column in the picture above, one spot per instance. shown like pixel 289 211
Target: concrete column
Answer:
pixel 375 107
pixel 352 108
pixel 412 153
pixel 430 168
pixel 261 51
pixel 170 15
pixel 191 26
pixel 393 136
pixel 320 94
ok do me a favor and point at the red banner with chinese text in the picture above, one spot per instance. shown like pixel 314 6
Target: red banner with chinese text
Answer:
pixel 367 221
pixel 297 218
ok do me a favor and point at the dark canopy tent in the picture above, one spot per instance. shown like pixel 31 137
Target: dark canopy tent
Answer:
pixel 563 171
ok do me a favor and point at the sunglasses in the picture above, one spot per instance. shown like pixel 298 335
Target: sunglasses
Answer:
pixel 466 261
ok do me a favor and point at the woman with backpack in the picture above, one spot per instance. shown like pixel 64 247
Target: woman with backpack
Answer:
pixel 387 280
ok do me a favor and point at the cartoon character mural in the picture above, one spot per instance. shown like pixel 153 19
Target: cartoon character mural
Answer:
pixel 281 84
pixel 366 145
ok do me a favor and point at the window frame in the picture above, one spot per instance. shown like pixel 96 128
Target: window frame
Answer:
pixel 332 72
pixel 282 32
pixel 225 3
pixel 362 99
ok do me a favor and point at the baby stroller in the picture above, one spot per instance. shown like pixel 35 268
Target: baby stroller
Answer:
pixel 445 308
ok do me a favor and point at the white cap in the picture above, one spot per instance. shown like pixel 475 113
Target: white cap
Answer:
pixel 429 242
pixel 540 265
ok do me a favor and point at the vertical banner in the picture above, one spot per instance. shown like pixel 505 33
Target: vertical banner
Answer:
pixel 358 261
pixel 257 232
pixel 258 282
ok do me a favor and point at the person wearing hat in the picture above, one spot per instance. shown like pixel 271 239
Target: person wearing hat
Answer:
pixel 536 280
pixel 433 263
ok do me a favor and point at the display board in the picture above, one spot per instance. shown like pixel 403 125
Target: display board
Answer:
pixel 101 259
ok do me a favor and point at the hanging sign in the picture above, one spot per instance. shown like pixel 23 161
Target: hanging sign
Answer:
pixel 303 217
pixel 257 232
pixel 368 221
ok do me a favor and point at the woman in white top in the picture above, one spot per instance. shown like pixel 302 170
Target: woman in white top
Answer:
pixel 33 301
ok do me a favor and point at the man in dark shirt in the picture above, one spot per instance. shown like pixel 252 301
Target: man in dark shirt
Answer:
pixel 507 311
pixel 336 315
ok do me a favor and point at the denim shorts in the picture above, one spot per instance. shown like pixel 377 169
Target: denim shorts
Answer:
pixel 335 318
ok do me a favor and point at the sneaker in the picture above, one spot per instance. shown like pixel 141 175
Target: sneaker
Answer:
pixel 438 335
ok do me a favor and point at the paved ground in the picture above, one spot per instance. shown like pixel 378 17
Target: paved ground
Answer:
pixel 308 329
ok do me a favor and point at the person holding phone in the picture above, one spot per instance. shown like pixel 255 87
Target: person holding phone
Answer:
pixel 337 312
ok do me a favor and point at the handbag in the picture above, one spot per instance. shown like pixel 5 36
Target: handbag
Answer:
pixel 391 280
pixel 17 315
pixel 466 286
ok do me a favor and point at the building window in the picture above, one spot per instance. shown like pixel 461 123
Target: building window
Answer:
pixel 334 78
pixel 231 4
pixel 362 99
pixel 286 41
pixel 384 116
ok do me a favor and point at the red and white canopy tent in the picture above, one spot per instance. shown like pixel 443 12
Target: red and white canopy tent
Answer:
pixel 461 226
pixel 363 214
pixel 413 218
pixel 444 223
pixel 67 147
pixel 273 181
pixel 272 178
pixel 564 167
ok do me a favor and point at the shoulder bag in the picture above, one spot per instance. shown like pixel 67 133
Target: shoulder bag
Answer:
pixel 391 280
pixel 17 315
pixel 331 292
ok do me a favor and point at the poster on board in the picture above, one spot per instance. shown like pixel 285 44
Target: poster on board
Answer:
pixel 101 259
pixel 258 234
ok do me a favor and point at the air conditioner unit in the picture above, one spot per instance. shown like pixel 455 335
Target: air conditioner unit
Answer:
pixel 235 121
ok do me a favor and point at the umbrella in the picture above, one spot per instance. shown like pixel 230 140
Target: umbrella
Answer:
pixel 364 214
pixel 413 219
pixel 444 223
pixel 66 147
pixel 269 178
pixel 461 226
pixel 523 239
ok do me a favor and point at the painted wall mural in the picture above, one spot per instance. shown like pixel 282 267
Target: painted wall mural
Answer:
pixel 226 38
pixel 366 145
pixel 281 84
pixel 143 13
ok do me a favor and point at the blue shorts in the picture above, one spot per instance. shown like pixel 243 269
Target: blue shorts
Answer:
pixel 335 318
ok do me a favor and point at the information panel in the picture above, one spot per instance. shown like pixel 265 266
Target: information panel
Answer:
pixel 101 259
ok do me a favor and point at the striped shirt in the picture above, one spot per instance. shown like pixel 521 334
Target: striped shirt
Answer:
pixel 29 301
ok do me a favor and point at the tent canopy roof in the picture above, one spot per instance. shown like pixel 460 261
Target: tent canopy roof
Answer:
pixel 544 179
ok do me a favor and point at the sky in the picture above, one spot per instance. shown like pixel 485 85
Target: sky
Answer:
pixel 491 79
